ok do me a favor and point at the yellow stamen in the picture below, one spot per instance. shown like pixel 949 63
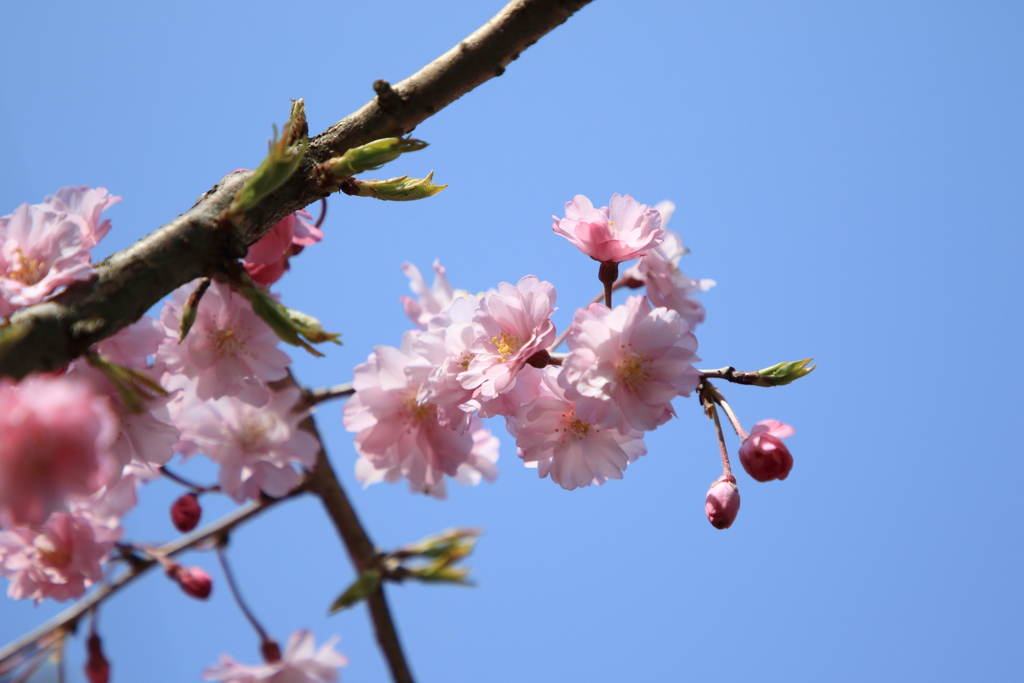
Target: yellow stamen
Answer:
pixel 27 270
pixel 507 345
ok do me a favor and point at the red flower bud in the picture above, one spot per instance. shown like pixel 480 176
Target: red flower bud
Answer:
pixel 185 512
pixel 763 454
pixel 97 668
pixel 192 580
pixel 723 503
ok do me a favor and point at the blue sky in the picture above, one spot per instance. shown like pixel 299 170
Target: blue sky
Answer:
pixel 851 177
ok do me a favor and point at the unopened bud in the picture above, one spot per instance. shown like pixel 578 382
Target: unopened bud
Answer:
pixel 368 157
pixel 97 668
pixel 401 189
pixel 185 512
pixel 192 580
pixel 723 503
pixel 763 454
pixel 784 373
pixel 271 651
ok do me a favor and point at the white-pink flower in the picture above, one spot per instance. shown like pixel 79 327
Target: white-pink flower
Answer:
pixel 300 663
pixel 55 435
pixel 399 434
pixel 430 301
pixel 83 205
pixel 512 324
pixel 621 231
pixel 267 260
pixel 552 438
pixel 256 448
pixel 229 351
pixel 58 560
pixel 667 285
pixel 626 364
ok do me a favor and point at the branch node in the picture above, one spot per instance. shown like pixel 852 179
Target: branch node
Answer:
pixel 389 100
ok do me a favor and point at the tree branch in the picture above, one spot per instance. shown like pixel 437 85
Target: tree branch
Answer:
pixel 47 336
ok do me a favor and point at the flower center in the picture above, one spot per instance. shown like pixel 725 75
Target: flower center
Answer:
pixel 418 413
pixel 507 345
pixel 467 358
pixel 572 425
pixel 225 342
pixel 51 554
pixel 633 368
pixel 253 432
pixel 27 270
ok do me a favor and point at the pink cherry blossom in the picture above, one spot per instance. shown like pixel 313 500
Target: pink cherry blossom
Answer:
pixel 552 438
pixel 626 364
pixel 398 433
pixel 300 663
pixel 267 260
pixel 763 454
pixel 512 324
pixel 229 351
pixel 58 560
pixel 55 435
pixel 83 205
pixel 620 232
pixel 429 300
pixel 256 448
pixel 41 251
pixel 667 286
pixel 722 503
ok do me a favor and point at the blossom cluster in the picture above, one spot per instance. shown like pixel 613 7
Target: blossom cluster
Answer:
pixel 578 418
pixel 75 444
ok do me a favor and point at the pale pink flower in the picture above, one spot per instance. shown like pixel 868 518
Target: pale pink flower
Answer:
pixel 626 364
pixel 512 324
pixel 83 205
pixel 107 506
pixel 621 231
pixel 146 440
pixel 229 351
pixel 399 435
pixel 256 448
pixel 430 301
pixel 552 438
pixel 763 454
pixel 55 435
pixel 444 347
pixel 267 260
pixel 58 560
pixel 300 663
pixel 668 286
pixel 722 503
pixel 41 251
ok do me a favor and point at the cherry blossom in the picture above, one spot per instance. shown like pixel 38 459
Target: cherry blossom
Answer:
pixel 552 438
pixel 429 300
pixel 667 286
pixel 40 251
pixel 512 324
pixel 621 231
pixel 229 351
pixel 55 435
pixel 763 454
pixel 626 364
pixel 83 205
pixel 722 503
pixel 300 663
pixel 267 259
pixel 58 560
pixel 256 448
pixel 398 434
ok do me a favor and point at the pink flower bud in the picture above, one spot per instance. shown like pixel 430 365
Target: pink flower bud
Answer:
pixel 185 512
pixel 192 580
pixel 723 503
pixel 763 454
pixel 97 668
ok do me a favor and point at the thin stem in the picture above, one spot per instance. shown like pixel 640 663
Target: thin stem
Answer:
pixel 315 396
pixel 726 467
pixel 596 300
pixel 732 418
pixel 70 616
pixel 608 274
pixel 230 578
pixel 196 488
pixel 323 213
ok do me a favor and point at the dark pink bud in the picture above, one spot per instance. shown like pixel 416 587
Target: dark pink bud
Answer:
pixel 97 668
pixel 192 580
pixel 763 454
pixel 723 503
pixel 185 512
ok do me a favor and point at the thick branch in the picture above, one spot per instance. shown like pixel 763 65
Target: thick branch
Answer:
pixel 49 335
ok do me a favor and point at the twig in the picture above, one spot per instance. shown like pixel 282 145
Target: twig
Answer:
pixel 73 613
pixel 311 397
pixel 49 335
